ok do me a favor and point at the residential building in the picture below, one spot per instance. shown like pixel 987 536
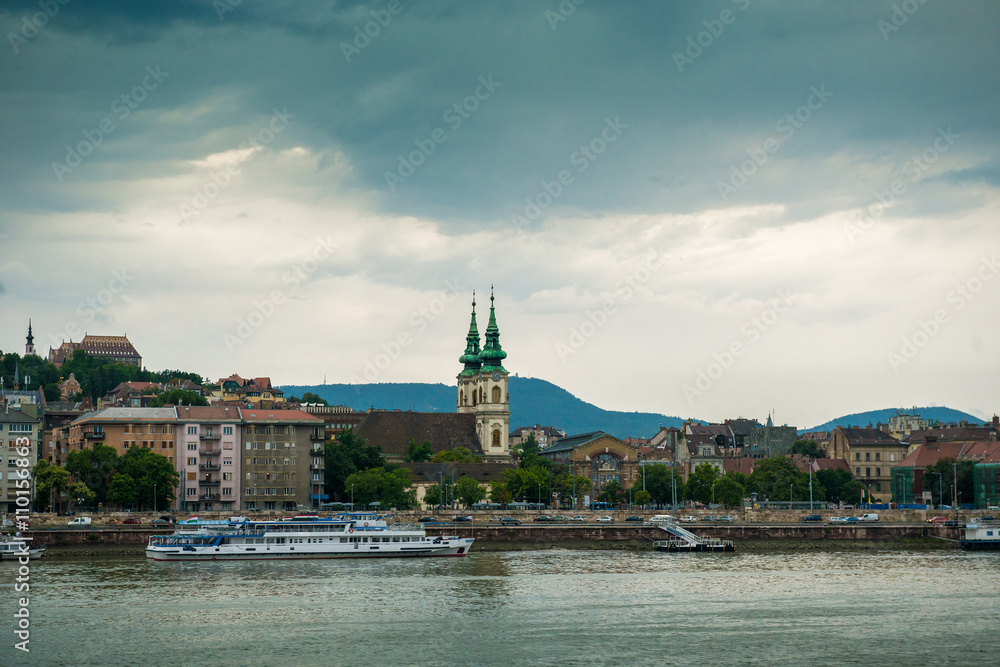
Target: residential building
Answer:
pixel 69 388
pixel 908 478
pixel 124 428
pixel 209 458
pixel 282 459
pixel 545 436
pixel 16 425
pixel 255 392
pixel 336 418
pixel 871 454
pixel 770 440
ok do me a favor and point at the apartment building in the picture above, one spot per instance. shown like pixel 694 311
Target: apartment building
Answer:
pixel 209 458
pixel 282 463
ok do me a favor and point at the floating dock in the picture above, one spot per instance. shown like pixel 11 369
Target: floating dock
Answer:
pixel 682 539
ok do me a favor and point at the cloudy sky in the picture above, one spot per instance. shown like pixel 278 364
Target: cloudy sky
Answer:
pixel 703 209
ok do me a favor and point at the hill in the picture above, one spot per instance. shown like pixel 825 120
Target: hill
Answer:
pixel 873 417
pixel 532 401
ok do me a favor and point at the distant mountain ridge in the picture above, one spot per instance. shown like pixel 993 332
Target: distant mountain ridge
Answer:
pixel 873 417
pixel 532 401
pixel 535 401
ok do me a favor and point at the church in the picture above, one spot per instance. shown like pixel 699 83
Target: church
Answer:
pixel 481 422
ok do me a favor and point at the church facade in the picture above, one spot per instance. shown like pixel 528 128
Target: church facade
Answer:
pixel 483 387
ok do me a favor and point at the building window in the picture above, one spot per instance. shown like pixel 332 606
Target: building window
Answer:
pixel 857 456
pixel 192 447
pixel 227 462
pixel 868 472
pixel 192 430
pixel 868 456
pixel 892 457
pixel 226 476
pixel 878 456
pixel 878 486
pixel 192 461
pixel 878 472
pixel 192 491
pixel 857 472
pixel 227 430
pixel 227 491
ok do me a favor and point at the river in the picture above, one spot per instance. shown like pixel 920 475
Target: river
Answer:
pixel 517 608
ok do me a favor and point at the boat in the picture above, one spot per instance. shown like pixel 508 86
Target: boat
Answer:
pixel 684 540
pixel 13 548
pixel 349 535
pixel 981 535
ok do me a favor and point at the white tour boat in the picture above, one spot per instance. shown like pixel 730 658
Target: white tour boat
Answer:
pixel 13 548
pixel 352 535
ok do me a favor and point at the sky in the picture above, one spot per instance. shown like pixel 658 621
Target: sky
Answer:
pixel 702 209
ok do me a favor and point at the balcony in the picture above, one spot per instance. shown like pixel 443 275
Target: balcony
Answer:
pixel 210 496
pixel 209 467
pixel 321 436
pixel 313 466
pixel 209 452
pixel 208 482
pixel 210 436
pixel 93 434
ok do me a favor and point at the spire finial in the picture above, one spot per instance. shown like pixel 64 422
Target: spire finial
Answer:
pixel 473 301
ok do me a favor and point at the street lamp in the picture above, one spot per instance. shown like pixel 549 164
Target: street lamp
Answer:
pixel 954 488
pixel 154 496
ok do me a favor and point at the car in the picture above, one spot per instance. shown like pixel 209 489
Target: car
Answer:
pixel 132 520
pixel 937 519
pixel 726 519
pixel 159 522
pixel 853 519
pixel 111 522
pixel 708 518
pixel 604 519
pixel 462 519
pixel 838 519
pixel 544 517
pixel 812 517
pixel 426 519
pixel 560 518
pixel 688 519
pixel 987 518
pixel 580 518
pixel 509 520
pixel 636 519
pixel 993 508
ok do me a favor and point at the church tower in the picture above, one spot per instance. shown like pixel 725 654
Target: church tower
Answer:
pixel 468 392
pixel 29 346
pixel 493 402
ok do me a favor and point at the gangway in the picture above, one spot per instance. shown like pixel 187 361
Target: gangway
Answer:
pixel 685 540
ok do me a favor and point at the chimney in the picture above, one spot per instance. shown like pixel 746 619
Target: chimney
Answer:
pixel 996 422
pixel 930 440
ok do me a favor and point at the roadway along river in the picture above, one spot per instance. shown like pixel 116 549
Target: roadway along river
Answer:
pixel 517 608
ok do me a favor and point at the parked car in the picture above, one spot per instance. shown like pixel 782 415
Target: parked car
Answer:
pixel 853 519
pixel 81 521
pixel 838 519
pixel 663 518
pixel 726 519
pixel 160 522
pixel 560 518
pixel 708 518
pixel 580 518
pixel 870 517
pixel 993 508
pixel 937 520
pixel 689 519
pixel 462 519
pixel 426 519
pixel 510 521
pixel 812 517
pixel 987 518
pixel 544 517
pixel 131 520
pixel 604 519
pixel 111 522
pixel 637 519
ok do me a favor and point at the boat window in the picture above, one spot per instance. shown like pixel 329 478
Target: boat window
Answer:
pixel 395 539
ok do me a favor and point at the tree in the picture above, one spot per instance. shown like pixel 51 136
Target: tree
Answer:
pixel 852 492
pixel 94 467
pixel 499 493
pixel 834 481
pixel 418 453
pixel 529 446
pixel 611 493
pixel 944 486
pixel 468 491
pixel 435 494
pixel 345 456
pixel 391 487
pixel 50 482
pixel 81 494
pixel 459 454
pixel 808 448
pixel 566 485
pixel 178 397
pixel 528 485
pixel 729 492
pixel 659 485
pixel 154 475
pixel 774 478
pixel 122 490
pixel 700 482
pixel 643 497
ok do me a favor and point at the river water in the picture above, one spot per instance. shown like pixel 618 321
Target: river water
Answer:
pixel 517 608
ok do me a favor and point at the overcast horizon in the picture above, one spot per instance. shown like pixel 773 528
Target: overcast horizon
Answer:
pixel 703 209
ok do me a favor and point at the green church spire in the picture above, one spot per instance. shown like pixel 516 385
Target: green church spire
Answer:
pixel 471 356
pixel 492 355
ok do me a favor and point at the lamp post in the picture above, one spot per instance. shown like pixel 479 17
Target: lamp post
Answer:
pixel 352 497
pixel 940 489
pixel 954 487
pixel 810 491
pixel 789 496
pixel 154 496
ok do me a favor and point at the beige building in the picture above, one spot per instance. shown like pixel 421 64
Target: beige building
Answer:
pixel 16 425
pixel 282 464
pixel 871 455
pixel 124 428
pixel 599 457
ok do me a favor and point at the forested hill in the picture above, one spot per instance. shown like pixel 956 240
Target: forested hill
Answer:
pixel 873 417
pixel 532 401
